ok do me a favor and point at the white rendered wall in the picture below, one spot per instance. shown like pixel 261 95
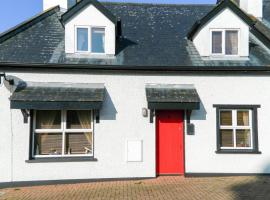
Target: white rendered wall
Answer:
pixel 90 16
pixel 225 20
pixel 121 120
pixel 5 135
pixel 52 3
pixel 253 7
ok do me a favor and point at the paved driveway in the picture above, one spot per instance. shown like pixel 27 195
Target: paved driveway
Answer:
pixel 242 188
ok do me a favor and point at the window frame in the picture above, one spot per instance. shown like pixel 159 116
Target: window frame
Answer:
pixel 253 128
pixel 63 131
pixel 235 127
pixel 223 42
pixel 76 39
pixel 90 30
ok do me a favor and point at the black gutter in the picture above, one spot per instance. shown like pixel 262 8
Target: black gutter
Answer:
pixel 89 67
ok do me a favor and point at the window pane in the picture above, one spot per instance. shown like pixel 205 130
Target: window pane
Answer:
pixel 231 43
pixel 78 143
pixel 48 119
pixel 216 42
pixel 79 119
pixel 243 118
pixel 225 118
pixel 226 138
pixel 98 37
pixel 48 144
pixel 243 138
pixel 82 39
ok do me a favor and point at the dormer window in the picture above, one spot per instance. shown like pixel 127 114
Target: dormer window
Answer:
pixel 90 39
pixel 225 42
pixel 98 40
pixel 82 39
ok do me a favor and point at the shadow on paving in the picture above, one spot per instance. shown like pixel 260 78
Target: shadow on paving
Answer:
pixel 252 189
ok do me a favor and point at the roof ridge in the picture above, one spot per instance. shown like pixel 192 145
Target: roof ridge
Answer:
pixel 27 24
pixel 154 4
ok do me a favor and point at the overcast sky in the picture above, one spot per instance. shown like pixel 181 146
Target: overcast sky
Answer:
pixel 12 12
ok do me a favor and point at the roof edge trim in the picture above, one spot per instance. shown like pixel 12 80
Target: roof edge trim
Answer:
pixel 82 4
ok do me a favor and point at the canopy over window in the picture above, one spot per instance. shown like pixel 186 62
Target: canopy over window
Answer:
pixel 172 97
pixel 55 96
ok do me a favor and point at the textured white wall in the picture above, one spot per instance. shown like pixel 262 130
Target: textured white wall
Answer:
pixel 5 135
pixel 52 3
pixel 225 20
pixel 121 120
pixel 90 16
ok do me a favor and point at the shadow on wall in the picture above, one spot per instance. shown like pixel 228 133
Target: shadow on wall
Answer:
pixel 199 114
pixel 253 187
pixel 108 111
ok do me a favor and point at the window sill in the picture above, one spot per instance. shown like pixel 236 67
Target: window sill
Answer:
pixel 236 151
pixel 62 159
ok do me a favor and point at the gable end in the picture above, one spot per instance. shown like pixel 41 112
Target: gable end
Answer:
pixel 82 4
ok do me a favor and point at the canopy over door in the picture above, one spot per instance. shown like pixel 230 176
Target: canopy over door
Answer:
pixel 172 97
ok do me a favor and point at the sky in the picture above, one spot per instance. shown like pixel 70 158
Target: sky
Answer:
pixel 13 12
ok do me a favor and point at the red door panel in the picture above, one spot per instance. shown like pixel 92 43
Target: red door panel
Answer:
pixel 170 142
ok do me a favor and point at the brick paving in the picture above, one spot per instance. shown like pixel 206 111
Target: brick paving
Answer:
pixel 217 188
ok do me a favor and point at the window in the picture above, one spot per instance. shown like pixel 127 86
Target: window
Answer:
pixel 98 37
pixel 225 42
pixel 62 133
pixel 217 42
pixel 82 39
pixel 237 129
pixel 90 41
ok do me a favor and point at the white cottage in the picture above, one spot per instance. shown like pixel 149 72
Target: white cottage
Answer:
pixel 94 90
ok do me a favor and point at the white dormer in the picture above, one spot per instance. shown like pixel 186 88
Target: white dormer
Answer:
pixel 90 29
pixel 225 36
pixel 223 33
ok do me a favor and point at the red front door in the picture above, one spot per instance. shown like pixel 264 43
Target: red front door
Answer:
pixel 170 142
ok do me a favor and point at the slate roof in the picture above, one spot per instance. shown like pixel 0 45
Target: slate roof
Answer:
pixel 44 92
pixel 171 93
pixel 37 95
pixel 153 35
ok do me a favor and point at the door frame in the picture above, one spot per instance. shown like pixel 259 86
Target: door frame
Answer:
pixel 184 144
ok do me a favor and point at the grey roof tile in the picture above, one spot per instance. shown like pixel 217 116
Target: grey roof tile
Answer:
pixel 153 35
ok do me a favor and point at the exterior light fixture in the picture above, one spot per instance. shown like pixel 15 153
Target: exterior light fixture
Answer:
pixel 144 112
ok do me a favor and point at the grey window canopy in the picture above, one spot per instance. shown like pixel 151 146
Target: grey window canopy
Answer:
pixel 55 96
pixel 172 97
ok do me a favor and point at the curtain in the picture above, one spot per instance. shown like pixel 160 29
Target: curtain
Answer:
pixel 231 43
pixel 246 118
pixel 46 121
pixel 242 118
pixel 103 41
pixel 85 121
pixel 216 42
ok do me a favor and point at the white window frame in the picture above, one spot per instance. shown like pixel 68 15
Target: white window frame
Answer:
pixel 76 39
pixel 235 127
pixel 223 43
pixel 62 130
pixel 90 29
pixel 98 27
